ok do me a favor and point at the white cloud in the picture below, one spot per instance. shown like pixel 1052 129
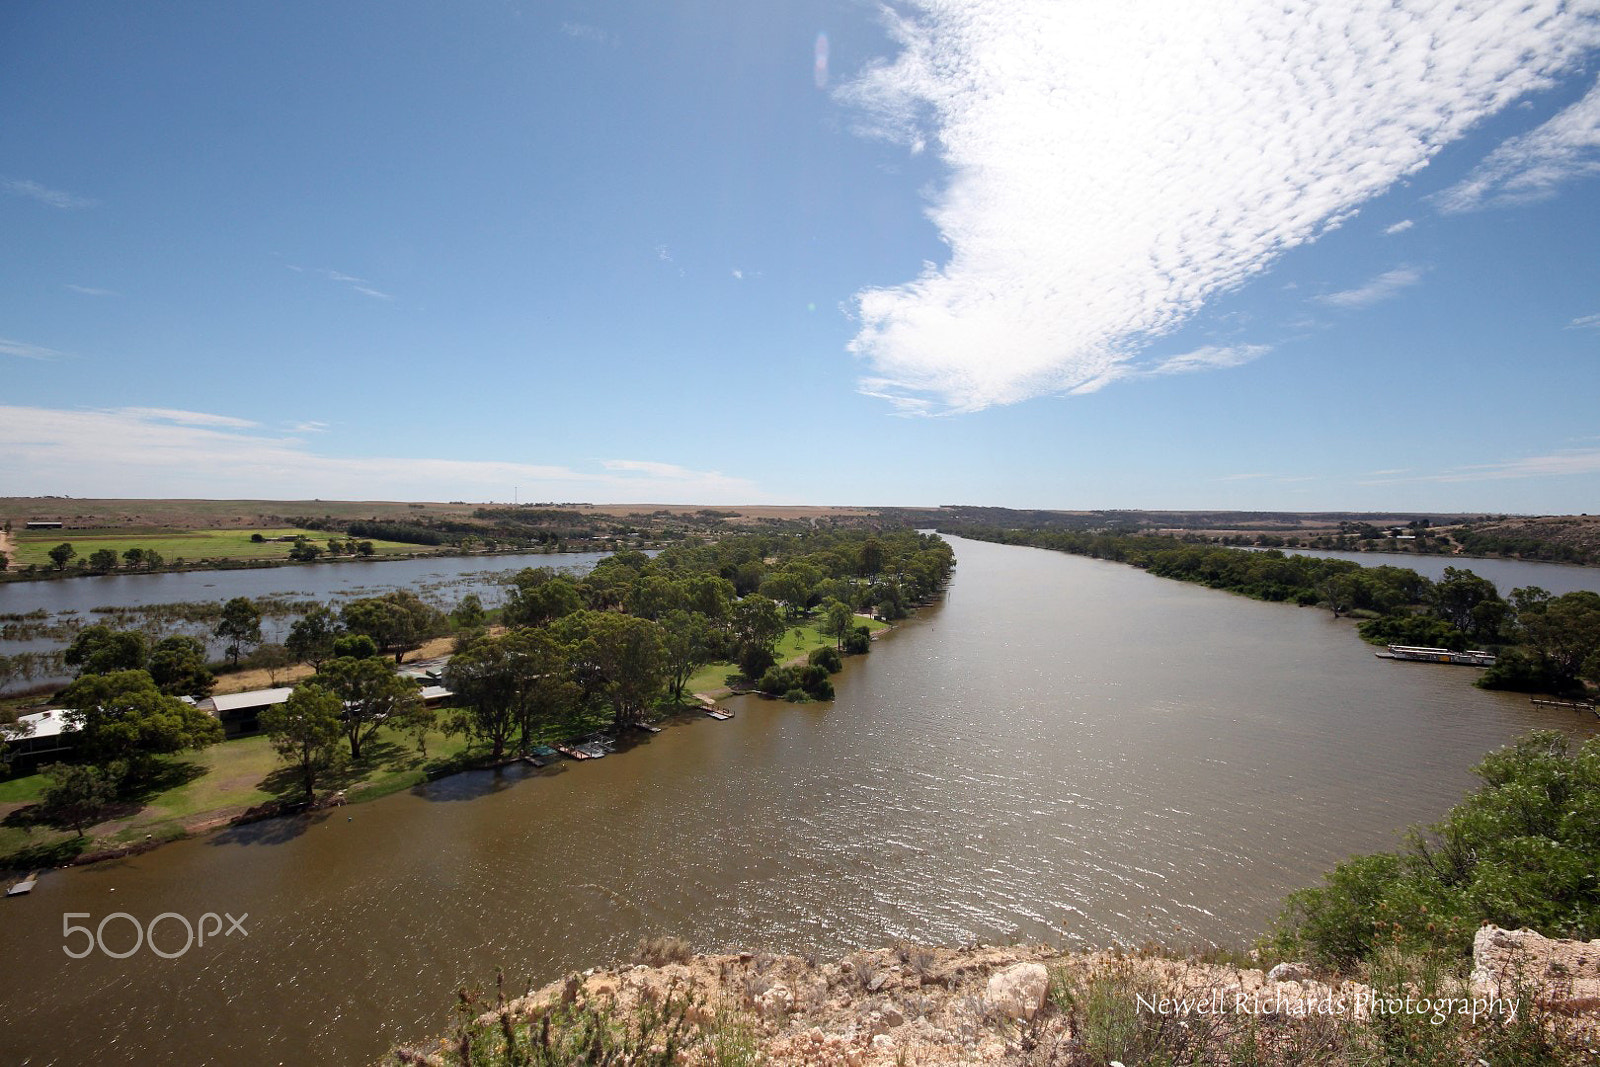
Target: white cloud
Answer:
pixel 87 290
pixel 1112 166
pixel 23 350
pixel 1585 322
pixel 1400 227
pixel 1380 288
pixel 1530 167
pixel 159 452
pixel 738 275
pixel 45 195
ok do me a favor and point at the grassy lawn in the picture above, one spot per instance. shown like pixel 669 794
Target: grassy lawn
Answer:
pixel 798 640
pixel 33 546
pixel 223 778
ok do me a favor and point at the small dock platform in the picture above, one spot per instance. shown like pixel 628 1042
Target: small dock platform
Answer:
pixel 1575 705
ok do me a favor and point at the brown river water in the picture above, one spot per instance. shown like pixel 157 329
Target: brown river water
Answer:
pixel 1063 749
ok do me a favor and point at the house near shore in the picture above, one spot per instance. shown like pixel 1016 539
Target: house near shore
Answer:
pixel 240 713
pixel 44 524
pixel 42 733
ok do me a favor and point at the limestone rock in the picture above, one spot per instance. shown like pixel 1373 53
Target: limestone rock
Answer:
pixel 1289 972
pixel 775 1003
pixel 1562 974
pixel 1018 992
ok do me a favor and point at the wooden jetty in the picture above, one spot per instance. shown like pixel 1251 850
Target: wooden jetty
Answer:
pixel 1575 705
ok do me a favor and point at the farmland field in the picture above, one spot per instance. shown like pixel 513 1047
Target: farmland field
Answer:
pixel 33 546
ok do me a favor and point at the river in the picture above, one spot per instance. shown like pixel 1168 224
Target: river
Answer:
pixel 1063 749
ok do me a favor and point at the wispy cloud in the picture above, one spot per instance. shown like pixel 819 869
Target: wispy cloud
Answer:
pixel 1207 357
pixel 360 285
pixel 1380 288
pixel 164 452
pixel 1094 204
pixel 44 194
pixel 1210 357
pixel 1532 166
pixel 1554 464
pixel 88 290
pixel 184 418
pixel 1585 322
pixel 24 350
pixel 1400 227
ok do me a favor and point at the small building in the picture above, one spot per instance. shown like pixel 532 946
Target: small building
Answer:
pixel 240 713
pixel 42 733
pixel 434 694
pixel 44 524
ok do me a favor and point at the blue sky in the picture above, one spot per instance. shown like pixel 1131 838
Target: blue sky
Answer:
pixel 1255 255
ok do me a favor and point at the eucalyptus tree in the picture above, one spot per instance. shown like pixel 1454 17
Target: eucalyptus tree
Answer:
pixel 307 731
pixel 240 626
pixel 373 696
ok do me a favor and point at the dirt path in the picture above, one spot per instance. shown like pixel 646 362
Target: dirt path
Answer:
pixel 7 548
pixel 249 680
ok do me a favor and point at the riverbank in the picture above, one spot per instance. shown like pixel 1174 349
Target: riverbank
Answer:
pixel 1524 999
pixel 244 780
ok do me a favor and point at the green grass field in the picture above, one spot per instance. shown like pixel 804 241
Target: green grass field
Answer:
pixel 33 546
pixel 798 640
pixel 223 778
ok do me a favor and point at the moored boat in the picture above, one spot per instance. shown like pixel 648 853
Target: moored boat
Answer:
pixel 1421 654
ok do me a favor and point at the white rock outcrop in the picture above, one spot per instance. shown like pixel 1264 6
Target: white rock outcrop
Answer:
pixel 1019 991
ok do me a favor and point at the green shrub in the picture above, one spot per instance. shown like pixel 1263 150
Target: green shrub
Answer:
pixel 828 659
